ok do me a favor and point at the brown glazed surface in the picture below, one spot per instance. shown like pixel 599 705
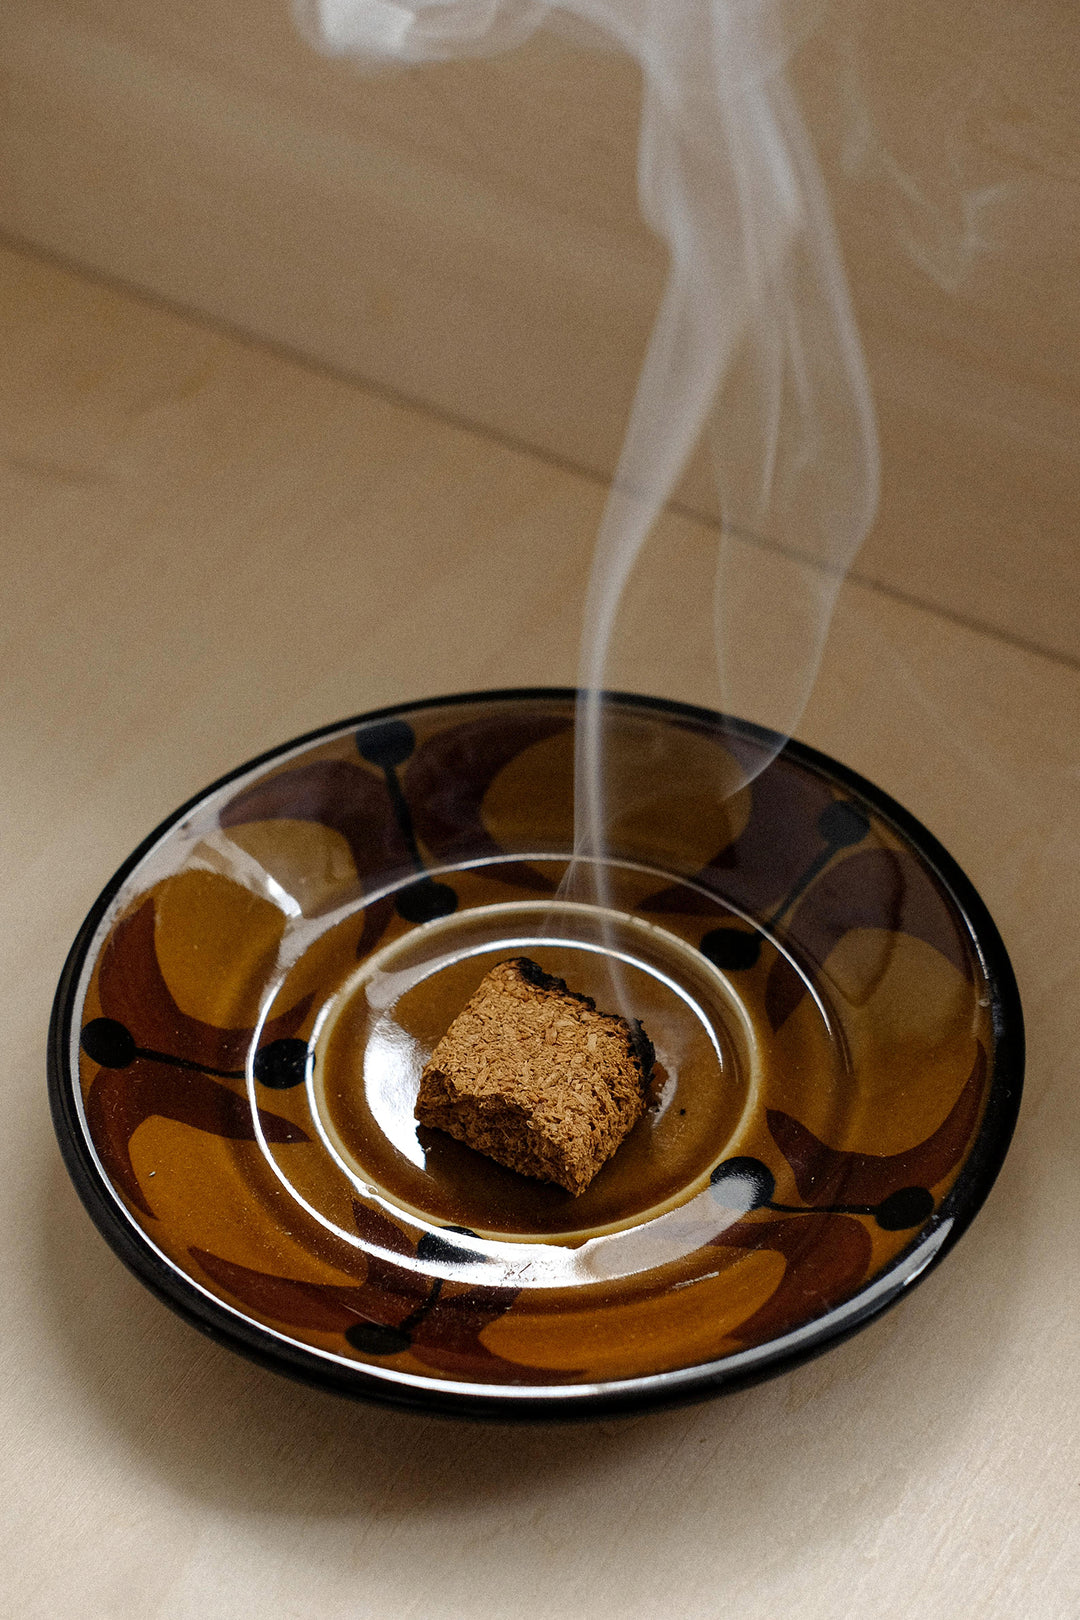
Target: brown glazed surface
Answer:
pixel 805 1125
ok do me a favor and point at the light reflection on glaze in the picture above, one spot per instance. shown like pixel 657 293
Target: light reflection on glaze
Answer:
pixel 392 1065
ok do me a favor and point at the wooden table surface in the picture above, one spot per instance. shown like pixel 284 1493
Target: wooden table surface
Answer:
pixel 208 548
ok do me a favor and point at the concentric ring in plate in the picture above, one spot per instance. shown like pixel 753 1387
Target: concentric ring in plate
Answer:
pixel 239 1030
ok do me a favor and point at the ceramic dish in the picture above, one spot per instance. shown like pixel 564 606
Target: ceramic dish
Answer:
pixel 239 1030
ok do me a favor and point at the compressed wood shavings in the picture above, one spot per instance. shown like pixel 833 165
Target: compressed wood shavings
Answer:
pixel 532 1075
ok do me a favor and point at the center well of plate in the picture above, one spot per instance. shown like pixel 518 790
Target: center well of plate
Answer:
pixel 386 1019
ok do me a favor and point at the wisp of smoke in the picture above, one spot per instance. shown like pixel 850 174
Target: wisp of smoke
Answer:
pixel 754 341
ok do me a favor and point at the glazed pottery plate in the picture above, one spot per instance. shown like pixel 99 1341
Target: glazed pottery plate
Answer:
pixel 240 1028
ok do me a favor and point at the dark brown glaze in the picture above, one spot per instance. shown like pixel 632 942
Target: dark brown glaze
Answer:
pixel 449 775
pixel 758 868
pixel 324 1307
pixel 120 1100
pixel 440 1328
pixel 133 990
pixel 134 993
pixel 826 1175
pixel 827 1258
pixel 349 799
pixel 876 888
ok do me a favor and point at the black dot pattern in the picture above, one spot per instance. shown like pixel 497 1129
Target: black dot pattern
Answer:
pixel 909 1207
pixel 107 1042
pixel 424 901
pixel 386 743
pixel 373 1339
pixel 750 1183
pixel 434 1246
pixel 842 824
pixel 731 949
pixel 281 1065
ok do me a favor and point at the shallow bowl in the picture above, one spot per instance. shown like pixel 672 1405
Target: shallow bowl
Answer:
pixel 239 1030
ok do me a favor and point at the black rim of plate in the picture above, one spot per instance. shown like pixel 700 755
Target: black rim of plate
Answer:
pixel 433 1396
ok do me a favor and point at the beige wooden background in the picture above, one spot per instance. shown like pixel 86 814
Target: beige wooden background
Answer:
pixel 467 236
pixel 209 545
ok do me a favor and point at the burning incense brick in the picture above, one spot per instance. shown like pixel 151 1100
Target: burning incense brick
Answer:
pixel 532 1075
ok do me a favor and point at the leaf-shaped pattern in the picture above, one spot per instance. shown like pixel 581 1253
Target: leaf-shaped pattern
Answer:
pixel 876 888
pixel 350 800
pixel 376 1228
pixel 758 868
pixel 120 1100
pixel 448 776
pixel 443 1334
pixel 827 1258
pixel 826 1175
pixel 448 1339
pixel 323 1307
pixel 133 990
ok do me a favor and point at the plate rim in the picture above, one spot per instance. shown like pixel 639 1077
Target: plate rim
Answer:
pixel 436 1397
